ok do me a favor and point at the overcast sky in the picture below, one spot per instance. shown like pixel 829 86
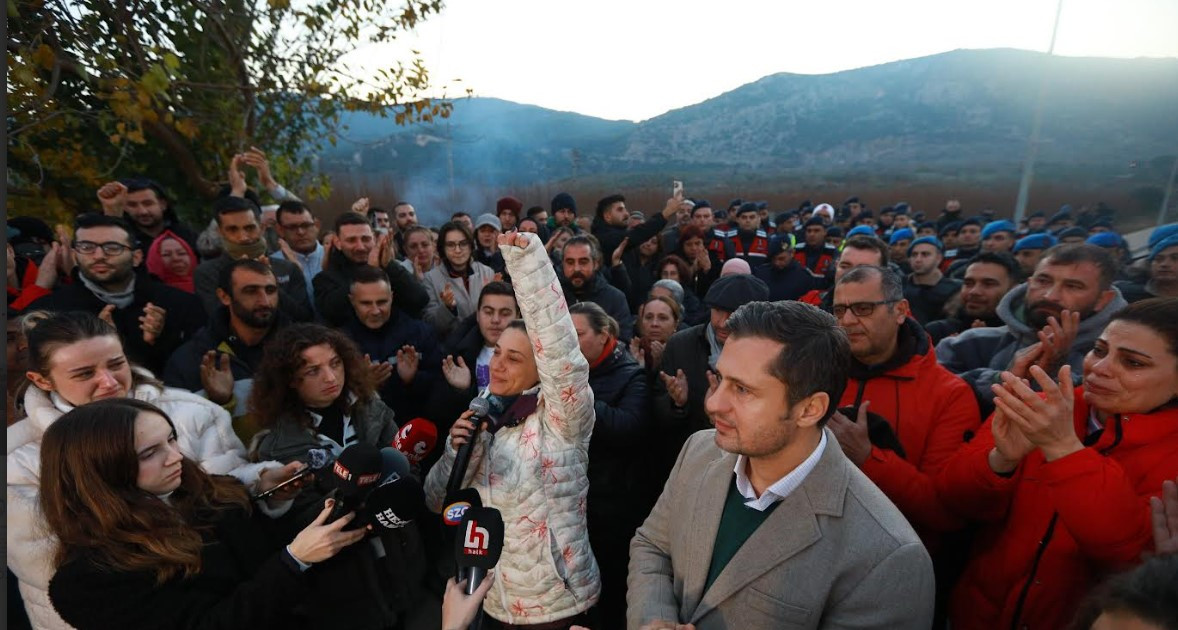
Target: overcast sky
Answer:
pixel 635 59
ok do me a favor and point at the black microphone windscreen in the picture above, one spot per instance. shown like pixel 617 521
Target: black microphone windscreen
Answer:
pixel 356 470
pixel 394 505
pixel 394 465
pixel 480 539
pixel 458 503
pixel 480 406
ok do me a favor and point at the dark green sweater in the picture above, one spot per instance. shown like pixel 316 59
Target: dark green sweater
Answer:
pixel 736 525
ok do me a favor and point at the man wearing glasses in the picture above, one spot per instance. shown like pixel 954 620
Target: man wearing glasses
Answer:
pixel 152 318
pixel 299 231
pixel 902 415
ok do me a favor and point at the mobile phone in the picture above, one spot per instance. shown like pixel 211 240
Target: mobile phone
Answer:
pixel 676 188
pixel 299 475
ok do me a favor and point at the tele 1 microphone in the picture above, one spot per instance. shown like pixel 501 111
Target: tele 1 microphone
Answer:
pixel 481 407
pixel 416 439
pixel 353 475
pixel 395 504
pixel 478 545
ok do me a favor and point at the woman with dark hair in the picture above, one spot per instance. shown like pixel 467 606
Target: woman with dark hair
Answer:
pixel 620 406
pixel 530 462
pixel 75 358
pixel 1141 599
pixel 703 264
pixel 1063 479
pixel 315 396
pixel 642 264
pixel 454 285
pixel 146 539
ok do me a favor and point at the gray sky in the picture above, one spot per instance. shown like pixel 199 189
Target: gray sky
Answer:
pixel 636 59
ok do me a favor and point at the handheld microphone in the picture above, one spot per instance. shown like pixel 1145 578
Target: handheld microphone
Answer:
pixel 456 505
pixel 354 474
pixel 394 504
pixel 416 439
pixel 481 407
pixel 393 465
pixel 477 548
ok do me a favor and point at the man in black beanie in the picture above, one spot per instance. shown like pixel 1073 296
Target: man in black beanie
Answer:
pixel 564 213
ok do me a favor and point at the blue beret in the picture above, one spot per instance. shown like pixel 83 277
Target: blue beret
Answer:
pixel 1075 230
pixel 998 226
pixel 901 234
pixel 1161 233
pixel 927 240
pixel 865 230
pixel 1035 241
pixel 1163 245
pixel 1106 239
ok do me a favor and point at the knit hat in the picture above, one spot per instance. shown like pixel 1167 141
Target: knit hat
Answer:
pixel 1159 247
pixel 1159 234
pixel 1035 241
pixel 509 203
pixel 927 240
pixel 1107 240
pixel 900 235
pixel 564 201
pixel 865 230
pixel 732 292
pixel 488 219
pixel 825 208
pixel 994 227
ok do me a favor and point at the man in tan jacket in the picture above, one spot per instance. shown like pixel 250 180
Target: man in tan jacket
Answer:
pixel 764 523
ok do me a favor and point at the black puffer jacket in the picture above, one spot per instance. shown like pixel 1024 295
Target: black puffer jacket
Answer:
pixel 621 403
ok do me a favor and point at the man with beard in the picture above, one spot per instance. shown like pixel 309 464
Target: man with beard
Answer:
pixel 145 207
pixel 110 281
pixel 926 288
pixel 1052 319
pixel 987 279
pixel 241 237
pixel 582 281
pixel 219 361
pixel 357 246
pixel 611 224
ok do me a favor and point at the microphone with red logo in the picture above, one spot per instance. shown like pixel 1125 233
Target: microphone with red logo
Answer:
pixel 477 548
pixel 416 439
pixel 354 474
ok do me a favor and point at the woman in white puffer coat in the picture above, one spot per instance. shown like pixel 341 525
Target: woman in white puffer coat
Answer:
pixel 75 358
pixel 531 463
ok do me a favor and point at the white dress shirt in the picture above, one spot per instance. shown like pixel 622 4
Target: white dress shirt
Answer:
pixel 780 488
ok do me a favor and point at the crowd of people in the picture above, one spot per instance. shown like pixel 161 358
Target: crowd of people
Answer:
pixel 970 423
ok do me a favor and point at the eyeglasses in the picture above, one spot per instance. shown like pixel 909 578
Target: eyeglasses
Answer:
pixel 459 245
pixel 860 309
pixel 110 248
pixel 299 227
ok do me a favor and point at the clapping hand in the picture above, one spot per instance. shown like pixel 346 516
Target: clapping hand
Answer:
pixel 381 371
pixel 237 185
pixel 152 322
pixel 676 387
pixel 216 377
pixel 361 206
pixel 1165 518
pixel 407 363
pixel 456 373
pixel 257 159
pixel 1046 421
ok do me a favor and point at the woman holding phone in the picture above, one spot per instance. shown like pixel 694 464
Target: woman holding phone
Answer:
pixel 531 460
pixel 146 539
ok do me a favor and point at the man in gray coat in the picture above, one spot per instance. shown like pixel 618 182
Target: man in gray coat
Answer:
pixel 1053 318
pixel 764 523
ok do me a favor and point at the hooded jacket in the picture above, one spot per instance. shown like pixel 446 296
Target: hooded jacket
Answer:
pixel 930 411
pixel 956 324
pixel 204 434
pixel 979 355
pixel 1053 529
pixel 534 473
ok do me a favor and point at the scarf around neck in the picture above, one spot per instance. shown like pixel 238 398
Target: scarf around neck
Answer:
pixel 120 299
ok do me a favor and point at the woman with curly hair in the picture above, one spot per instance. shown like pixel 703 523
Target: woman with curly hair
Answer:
pixel 314 395
pixel 149 540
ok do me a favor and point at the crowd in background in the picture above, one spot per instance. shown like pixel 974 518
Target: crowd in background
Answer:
pixel 1011 388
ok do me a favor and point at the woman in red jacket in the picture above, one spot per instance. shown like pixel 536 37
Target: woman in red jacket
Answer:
pixel 1063 479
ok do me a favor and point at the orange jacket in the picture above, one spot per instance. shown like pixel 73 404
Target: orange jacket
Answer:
pixel 932 411
pixel 1054 528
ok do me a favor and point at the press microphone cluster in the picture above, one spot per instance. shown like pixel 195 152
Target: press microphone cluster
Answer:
pixel 376 484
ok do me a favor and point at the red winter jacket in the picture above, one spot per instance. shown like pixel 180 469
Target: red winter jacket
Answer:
pixel 932 411
pixel 20 298
pixel 1054 528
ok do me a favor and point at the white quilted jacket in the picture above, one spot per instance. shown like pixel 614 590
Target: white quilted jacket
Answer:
pixel 204 433
pixel 535 473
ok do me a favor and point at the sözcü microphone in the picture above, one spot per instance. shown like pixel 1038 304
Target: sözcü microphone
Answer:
pixel 457 504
